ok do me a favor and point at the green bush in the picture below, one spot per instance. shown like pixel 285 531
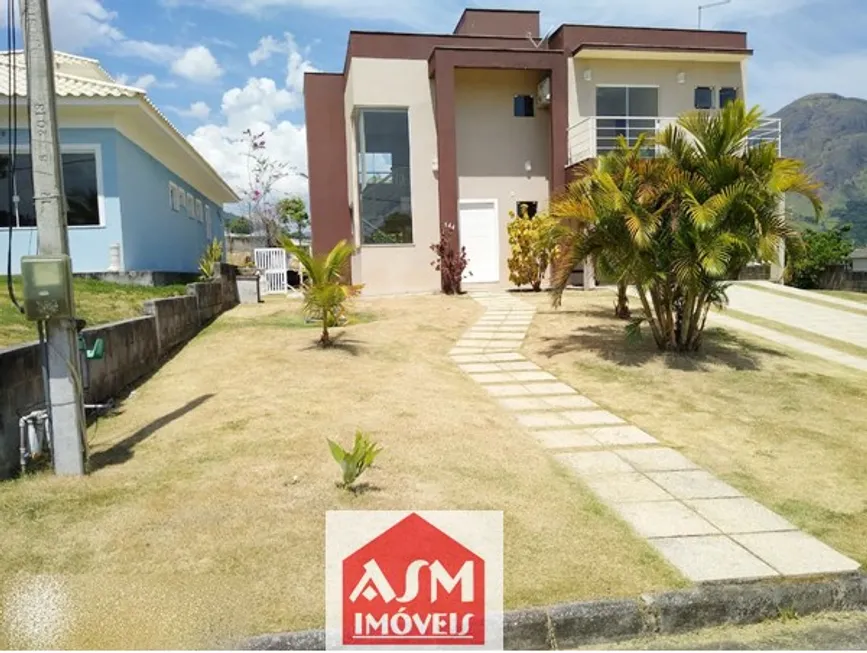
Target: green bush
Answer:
pixel 816 252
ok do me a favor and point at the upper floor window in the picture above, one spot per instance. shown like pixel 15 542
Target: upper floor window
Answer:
pixel 524 106
pixel 384 189
pixel 79 184
pixel 703 97
pixel 727 94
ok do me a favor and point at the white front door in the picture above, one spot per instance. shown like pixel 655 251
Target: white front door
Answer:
pixel 479 229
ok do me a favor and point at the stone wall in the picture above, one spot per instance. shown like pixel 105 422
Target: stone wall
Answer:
pixel 133 349
pixel 842 277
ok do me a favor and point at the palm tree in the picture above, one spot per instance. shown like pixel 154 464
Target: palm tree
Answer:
pixel 694 217
pixel 325 293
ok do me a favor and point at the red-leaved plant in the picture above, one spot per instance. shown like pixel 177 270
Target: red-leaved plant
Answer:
pixel 450 262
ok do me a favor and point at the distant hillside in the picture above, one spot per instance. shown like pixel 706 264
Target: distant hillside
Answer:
pixel 829 132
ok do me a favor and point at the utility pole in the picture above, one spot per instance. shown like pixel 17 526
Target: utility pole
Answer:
pixel 708 6
pixel 69 442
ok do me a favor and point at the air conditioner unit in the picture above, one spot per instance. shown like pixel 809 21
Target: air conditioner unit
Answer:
pixel 543 93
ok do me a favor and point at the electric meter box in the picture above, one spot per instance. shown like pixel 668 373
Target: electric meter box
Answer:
pixel 47 286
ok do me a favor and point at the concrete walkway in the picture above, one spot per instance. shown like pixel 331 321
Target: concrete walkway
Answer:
pixel 807 316
pixel 799 293
pixel 701 525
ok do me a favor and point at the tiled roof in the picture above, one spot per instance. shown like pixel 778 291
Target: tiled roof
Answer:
pixel 66 85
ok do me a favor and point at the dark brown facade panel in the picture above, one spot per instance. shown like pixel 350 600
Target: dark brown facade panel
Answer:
pixel 330 219
pixel 658 48
pixel 571 37
pixel 498 22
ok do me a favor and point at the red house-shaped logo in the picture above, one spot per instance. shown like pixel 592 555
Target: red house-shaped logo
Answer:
pixel 413 585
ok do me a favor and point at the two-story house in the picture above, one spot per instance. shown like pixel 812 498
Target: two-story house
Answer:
pixel 421 131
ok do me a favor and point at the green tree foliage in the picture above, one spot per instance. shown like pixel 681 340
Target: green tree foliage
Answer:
pixel 240 225
pixel 818 250
pixel 695 216
pixel 293 216
pixel 325 293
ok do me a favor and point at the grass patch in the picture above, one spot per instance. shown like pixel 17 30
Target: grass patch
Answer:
pixel 783 427
pixel 204 519
pixel 846 294
pixel 96 301
pixel 812 298
pixel 809 336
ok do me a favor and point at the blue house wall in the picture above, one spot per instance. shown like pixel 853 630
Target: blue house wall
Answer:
pixel 135 212
pixel 89 246
pixel 154 236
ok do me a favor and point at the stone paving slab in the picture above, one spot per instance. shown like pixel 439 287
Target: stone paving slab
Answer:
pixel 496 358
pixel 469 358
pixel 621 436
pixel 663 519
pixel 656 459
pixel 795 553
pixel 518 366
pixel 739 515
pixel 626 487
pixel 479 367
pixel 590 417
pixel 507 390
pixel 595 462
pixel 711 557
pixel 565 439
pixel 533 376
pixel 568 401
pixel 493 377
pixel 697 484
pixel 541 420
pixel 550 389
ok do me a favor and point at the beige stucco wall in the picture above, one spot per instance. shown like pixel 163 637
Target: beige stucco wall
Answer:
pixel 674 98
pixel 493 145
pixel 392 83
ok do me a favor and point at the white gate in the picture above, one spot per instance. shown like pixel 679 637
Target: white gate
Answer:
pixel 272 262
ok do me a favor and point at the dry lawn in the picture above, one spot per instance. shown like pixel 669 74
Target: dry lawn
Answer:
pixel 785 428
pixel 204 517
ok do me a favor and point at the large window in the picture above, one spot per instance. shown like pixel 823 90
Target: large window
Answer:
pixel 626 111
pixel 79 181
pixel 383 176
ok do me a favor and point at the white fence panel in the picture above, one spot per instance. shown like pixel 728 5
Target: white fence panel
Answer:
pixel 272 261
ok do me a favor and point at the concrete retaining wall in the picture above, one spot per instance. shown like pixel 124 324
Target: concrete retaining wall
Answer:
pixel 133 349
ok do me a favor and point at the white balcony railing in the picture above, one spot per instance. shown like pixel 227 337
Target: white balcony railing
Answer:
pixel 593 136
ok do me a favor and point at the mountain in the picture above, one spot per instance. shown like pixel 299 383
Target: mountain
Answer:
pixel 829 133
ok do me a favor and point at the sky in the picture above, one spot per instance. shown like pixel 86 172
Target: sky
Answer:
pixel 219 67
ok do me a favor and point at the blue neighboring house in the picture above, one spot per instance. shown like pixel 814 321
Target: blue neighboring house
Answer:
pixel 139 196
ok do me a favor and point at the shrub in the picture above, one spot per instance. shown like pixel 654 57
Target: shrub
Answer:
pixel 213 254
pixel 818 250
pixel 531 247
pixel 354 462
pixel 449 262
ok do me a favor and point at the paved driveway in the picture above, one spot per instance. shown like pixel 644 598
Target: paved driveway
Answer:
pixel 829 322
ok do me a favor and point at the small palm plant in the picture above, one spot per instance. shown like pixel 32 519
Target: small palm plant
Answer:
pixel 325 293
pixel 207 264
pixel 354 462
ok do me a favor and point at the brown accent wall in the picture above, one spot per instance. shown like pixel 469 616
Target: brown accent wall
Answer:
pixel 330 220
pixel 498 22
pixel 442 65
pixel 571 37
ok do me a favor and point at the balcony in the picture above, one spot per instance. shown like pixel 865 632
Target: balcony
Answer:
pixel 593 136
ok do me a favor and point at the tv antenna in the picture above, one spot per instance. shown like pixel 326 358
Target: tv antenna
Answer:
pixel 538 44
pixel 708 6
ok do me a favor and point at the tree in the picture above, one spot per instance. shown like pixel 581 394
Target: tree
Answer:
pixel 325 293
pixel 819 250
pixel 292 212
pixel 263 173
pixel 695 216
pixel 240 225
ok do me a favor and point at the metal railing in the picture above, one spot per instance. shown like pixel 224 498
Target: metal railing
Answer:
pixel 593 136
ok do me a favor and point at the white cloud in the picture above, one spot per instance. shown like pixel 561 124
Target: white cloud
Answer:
pixel 198 110
pixel 78 24
pixel 260 101
pixel 197 64
pixel 296 59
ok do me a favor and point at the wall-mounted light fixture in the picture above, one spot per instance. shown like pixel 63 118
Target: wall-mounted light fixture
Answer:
pixel 588 75
pixel 528 166
pixel 435 165
pixel 681 78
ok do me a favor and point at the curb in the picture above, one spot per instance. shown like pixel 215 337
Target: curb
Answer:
pixel 579 624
